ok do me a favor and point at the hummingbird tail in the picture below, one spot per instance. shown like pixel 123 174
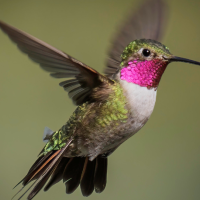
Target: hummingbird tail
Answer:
pixel 41 170
pixel 74 171
pixel 80 170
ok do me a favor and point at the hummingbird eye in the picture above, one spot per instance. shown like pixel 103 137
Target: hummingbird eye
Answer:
pixel 146 52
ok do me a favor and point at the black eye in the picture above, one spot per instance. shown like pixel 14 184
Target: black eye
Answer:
pixel 146 52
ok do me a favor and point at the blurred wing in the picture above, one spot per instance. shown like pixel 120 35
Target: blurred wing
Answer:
pixel 146 23
pixel 60 65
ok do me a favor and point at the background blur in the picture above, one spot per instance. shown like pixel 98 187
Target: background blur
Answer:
pixel 162 162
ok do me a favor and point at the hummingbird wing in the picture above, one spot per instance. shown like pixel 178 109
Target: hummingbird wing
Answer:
pixel 83 79
pixel 147 22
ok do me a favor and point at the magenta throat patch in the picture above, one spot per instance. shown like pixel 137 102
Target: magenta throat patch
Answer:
pixel 144 73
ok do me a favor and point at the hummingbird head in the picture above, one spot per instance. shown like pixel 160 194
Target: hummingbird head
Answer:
pixel 144 61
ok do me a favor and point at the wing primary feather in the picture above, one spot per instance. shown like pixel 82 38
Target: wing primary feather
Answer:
pixel 55 61
pixel 75 91
pixel 81 96
pixel 68 82
pixel 63 75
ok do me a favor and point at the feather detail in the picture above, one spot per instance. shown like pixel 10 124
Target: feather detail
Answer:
pixel 72 174
pixel 49 170
pixel 87 180
pixel 57 174
pixel 36 166
pixel 100 177
pixel 58 63
pixel 42 170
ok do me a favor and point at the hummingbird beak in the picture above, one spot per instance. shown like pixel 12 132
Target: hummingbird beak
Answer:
pixel 179 59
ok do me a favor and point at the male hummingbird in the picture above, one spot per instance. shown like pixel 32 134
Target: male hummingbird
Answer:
pixel 111 107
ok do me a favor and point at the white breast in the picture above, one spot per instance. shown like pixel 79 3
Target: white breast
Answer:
pixel 141 102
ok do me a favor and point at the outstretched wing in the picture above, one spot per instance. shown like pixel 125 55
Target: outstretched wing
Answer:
pixel 146 23
pixel 83 79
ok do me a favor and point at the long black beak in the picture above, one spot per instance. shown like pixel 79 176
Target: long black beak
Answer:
pixel 179 59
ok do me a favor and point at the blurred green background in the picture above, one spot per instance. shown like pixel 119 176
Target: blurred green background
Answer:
pixel 162 162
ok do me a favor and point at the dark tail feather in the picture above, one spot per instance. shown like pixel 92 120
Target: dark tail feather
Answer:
pixel 72 174
pixel 32 174
pixel 87 181
pixel 42 169
pixel 58 173
pixel 49 170
pixel 25 191
pixel 39 162
pixel 100 177
pixel 73 171
pixel 78 170
pixel 34 166
pixel 41 182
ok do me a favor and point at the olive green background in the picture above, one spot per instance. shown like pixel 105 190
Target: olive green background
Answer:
pixel 162 162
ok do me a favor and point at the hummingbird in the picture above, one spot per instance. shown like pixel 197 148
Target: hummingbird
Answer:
pixel 111 107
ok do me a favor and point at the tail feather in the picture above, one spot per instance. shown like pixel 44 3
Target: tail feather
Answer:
pixel 58 173
pixel 87 181
pixel 41 174
pixel 41 170
pixel 74 171
pixel 25 191
pixel 72 174
pixel 41 181
pixel 35 167
pixel 39 161
pixel 100 174
pixel 51 167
